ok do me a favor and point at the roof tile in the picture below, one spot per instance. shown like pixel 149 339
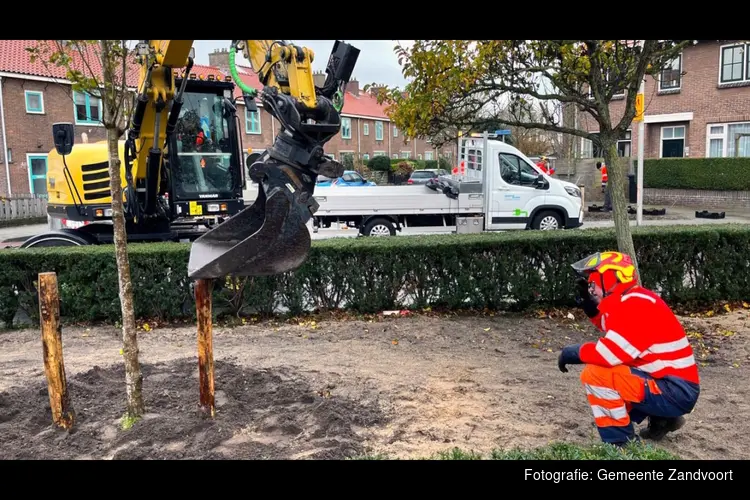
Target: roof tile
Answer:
pixel 14 58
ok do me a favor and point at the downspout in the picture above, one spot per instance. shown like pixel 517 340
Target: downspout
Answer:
pixel 5 138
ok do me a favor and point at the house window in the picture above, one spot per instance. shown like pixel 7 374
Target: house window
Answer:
pixel 587 148
pixel 673 142
pixel 735 62
pixel 395 131
pixel 728 140
pixel 34 102
pixel 37 173
pixel 428 155
pixel 378 131
pixel 670 77
pixel 88 108
pixel 405 154
pixel 624 144
pixel 252 122
pixel 366 156
pixel 366 129
pixel 346 128
pixel 379 153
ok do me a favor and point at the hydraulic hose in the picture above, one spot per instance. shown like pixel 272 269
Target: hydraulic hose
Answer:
pixel 236 77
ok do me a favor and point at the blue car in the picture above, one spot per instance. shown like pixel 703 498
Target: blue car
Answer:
pixel 349 178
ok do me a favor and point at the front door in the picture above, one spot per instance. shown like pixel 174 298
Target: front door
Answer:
pixel 37 174
pixel 512 193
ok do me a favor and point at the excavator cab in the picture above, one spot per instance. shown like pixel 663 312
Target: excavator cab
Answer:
pixel 271 236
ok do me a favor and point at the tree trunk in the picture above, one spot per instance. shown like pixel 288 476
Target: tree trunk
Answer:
pixel 114 98
pixel 616 185
pixel 133 375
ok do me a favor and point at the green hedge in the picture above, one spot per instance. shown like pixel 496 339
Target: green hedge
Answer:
pixel 721 174
pixel 501 271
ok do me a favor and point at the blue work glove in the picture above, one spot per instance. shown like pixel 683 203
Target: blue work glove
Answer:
pixel 569 356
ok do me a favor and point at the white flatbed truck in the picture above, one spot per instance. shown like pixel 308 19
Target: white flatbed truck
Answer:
pixel 494 188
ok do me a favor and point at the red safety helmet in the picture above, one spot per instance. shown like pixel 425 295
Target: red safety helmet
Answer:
pixel 614 272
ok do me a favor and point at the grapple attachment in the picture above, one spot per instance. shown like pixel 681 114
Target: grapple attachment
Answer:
pixel 269 237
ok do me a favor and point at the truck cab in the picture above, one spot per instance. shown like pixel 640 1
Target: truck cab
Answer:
pixel 517 194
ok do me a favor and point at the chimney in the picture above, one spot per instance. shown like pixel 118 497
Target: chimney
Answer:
pixel 219 58
pixel 353 87
pixel 319 78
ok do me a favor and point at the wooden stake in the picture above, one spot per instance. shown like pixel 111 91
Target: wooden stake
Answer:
pixel 203 288
pixel 54 367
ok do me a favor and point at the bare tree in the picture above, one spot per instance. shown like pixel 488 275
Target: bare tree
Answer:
pixel 100 68
pixel 474 84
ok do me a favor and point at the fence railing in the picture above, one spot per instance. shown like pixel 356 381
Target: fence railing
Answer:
pixel 22 206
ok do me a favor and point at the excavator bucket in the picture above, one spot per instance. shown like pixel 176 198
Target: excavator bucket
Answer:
pixel 269 237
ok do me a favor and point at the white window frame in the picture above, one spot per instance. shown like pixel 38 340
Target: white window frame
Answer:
pixel 745 77
pixel 346 122
pixel 379 153
pixel 723 136
pixel 662 138
pixel 395 130
pixel 366 128
pixel 365 156
pixel 428 156
pixel 680 60
pixel 379 130
pixel 26 94
pixel 405 155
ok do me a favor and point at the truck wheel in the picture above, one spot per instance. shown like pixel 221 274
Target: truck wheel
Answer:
pixel 60 238
pixel 547 221
pixel 379 227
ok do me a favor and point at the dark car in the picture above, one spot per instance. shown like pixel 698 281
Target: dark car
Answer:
pixel 424 176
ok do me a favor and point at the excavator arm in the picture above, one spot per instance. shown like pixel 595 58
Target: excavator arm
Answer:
pixel 154 120
pixel 271 236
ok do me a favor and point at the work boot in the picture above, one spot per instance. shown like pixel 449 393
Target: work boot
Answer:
pixel 658 427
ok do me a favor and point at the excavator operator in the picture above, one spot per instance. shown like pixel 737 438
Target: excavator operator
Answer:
pixel 644 366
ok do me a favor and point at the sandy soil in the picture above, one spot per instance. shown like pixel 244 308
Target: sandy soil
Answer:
pixel 407 387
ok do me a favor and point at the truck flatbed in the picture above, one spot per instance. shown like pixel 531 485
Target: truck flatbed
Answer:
pixel 395 200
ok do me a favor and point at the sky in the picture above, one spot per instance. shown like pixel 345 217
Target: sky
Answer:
pixel 377 63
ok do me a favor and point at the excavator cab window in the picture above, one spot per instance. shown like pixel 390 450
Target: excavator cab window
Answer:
pixel 205 157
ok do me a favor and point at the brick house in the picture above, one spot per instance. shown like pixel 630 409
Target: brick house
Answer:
pixel 698 106
pixel 33 97
pixel 366 131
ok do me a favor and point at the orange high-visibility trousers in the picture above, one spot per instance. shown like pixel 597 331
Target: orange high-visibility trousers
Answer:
pixel 621 395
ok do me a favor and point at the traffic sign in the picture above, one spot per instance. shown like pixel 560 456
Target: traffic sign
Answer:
pixel 638 108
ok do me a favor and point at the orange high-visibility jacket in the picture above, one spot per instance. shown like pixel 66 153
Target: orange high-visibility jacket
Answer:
pixel 605 177
pixel 641 332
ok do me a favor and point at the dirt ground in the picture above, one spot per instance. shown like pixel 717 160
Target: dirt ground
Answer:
pixel 403 386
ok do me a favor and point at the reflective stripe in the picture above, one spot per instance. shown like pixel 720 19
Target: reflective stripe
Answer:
pixel 608 355
pixel 669 346
pixel 602 392
pixel 661 364
pixel 638 295
pixel 623 344
pixel 618 413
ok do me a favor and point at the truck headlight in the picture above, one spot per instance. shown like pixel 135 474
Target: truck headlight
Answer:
pixel 573 191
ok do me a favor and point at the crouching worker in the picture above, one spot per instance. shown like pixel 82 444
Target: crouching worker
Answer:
pixel 643 366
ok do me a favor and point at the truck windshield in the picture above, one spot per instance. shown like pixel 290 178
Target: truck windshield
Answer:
pixel 204 150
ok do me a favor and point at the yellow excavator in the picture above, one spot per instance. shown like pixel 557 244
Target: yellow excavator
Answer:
pixel 166 147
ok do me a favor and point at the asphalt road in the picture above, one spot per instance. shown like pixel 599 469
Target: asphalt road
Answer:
pixel 14 236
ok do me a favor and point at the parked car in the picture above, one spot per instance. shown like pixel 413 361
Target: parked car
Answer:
pixel 426 175
pixel 349 178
